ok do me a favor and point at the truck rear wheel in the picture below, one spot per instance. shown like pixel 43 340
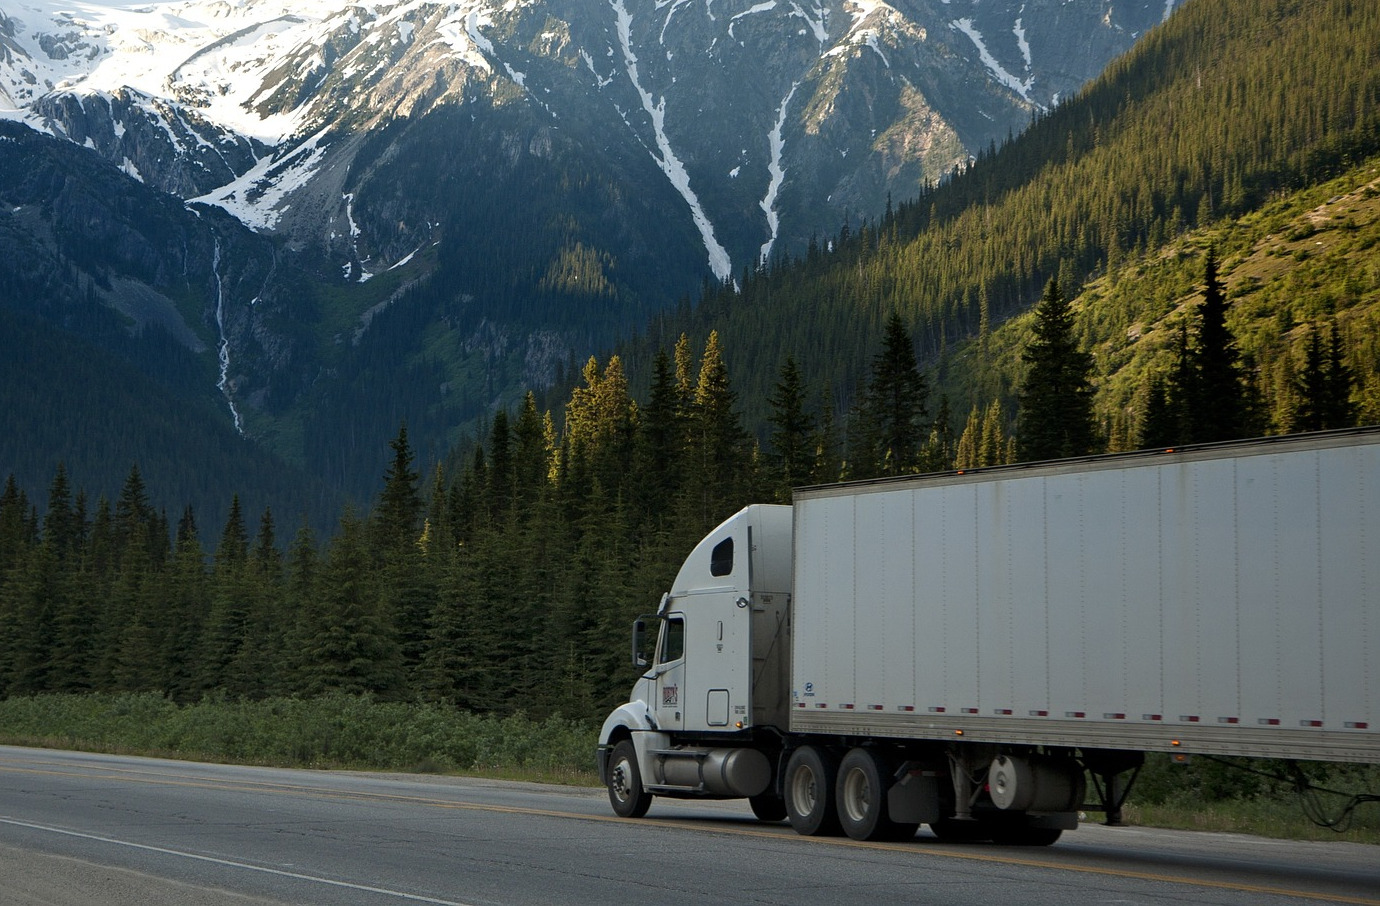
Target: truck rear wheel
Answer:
pixel 862 798
pixel 626 793
pixel 810 777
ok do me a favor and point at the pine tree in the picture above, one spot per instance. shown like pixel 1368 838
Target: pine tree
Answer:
pixel 1311 386
pixel 659 453
pixel 1341 381
pixel 227 619
pixel 353 649
pixel 1055 416
pixel 1220 399
pixel 187 605
pixel 940 447
pixel 718 448
pixel 793 433
pixel 398 512
pixel 892 419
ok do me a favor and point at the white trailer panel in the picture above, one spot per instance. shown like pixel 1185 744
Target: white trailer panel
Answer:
pixel 1226 598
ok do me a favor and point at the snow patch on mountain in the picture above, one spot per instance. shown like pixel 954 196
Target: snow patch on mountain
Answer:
pixel 258 197
pixel 671 165
pixel 1020 86
pixel 778 175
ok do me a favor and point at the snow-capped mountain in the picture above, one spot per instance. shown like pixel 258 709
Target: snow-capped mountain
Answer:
pixel 767 121
pixel 321 217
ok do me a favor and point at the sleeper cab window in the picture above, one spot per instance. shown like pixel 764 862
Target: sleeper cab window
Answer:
pixel 721 558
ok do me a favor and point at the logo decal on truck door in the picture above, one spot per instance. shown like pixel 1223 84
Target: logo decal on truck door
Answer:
pixel 670 696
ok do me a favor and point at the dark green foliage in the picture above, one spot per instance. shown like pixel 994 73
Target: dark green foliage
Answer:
pixel 1207 396
pixel 1218 393
pixel 889 424
pixel 332 730
pixel 1324 386
pixel 1056 414
pixel 792 456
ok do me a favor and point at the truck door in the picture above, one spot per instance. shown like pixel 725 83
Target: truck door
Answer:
pixel 669 671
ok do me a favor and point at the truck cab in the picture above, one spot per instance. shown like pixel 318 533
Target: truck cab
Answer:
pixel 717 674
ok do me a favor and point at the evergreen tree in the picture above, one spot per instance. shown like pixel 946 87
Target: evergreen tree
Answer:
pixel 531 457
pixel 187 605
pixel 891 425
pixel 352 649
pixel 1220 397
pixel 1311 386
pixel 1055 417
pixel 659 452
pixel 793 433
pixel 498 493
pixel 1323 386
pixel 1159 426
pixel 397 513
pixel 718 448
pixel 303 611
pixel 940 447
pixel 228 617
pixel 1341 382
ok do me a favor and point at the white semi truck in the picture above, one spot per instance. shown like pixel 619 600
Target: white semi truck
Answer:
pixel 965 649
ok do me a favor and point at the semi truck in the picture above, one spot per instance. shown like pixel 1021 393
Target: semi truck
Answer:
pixel 977 650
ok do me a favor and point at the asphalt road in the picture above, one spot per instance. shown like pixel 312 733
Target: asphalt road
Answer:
pixel 93 829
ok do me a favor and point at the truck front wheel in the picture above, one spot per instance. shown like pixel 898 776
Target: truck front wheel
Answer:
pixel 626 793
pixel 810 777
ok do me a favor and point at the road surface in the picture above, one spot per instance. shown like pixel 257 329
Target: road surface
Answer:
pixel 81 829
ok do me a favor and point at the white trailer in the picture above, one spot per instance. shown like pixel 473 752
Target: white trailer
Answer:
pixel 959 649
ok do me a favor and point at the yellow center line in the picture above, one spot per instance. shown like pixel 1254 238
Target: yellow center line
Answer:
pixel 696 827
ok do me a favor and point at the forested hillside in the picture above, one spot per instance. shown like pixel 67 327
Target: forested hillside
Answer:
pixel 1228 107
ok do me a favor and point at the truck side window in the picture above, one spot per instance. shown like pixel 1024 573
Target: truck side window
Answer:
pixel 673 641
pixel 721 558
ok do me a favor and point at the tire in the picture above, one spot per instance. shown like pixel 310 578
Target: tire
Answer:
pixel 861 793
pixel 1021 835
pixel 809 792
pixel 768 807
pixel 626 793
pixel 951 830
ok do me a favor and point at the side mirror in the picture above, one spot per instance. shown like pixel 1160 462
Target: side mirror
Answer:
pixel 639 643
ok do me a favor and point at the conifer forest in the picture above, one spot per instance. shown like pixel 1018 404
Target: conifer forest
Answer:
pixel 506 581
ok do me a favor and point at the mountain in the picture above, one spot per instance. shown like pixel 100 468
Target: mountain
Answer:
pixel 111 356
pixel 768 121
pixel 1221 128
pixel 412 211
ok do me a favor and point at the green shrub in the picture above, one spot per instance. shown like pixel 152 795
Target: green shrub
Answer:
pixel 337 730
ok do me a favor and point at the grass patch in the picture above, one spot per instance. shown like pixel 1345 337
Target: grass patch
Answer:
pixel 1262 818
pixel 333 732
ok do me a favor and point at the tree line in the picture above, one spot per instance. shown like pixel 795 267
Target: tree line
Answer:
pixel 507 581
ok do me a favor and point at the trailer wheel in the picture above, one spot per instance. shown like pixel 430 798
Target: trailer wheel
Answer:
pixel 626 793
pixel 810 777
pixel 862 798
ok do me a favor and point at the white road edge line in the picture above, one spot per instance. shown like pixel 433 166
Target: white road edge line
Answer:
pixel 233 864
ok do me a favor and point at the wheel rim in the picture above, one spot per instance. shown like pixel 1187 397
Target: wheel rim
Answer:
pixel 857 796
pixel 618 780
pixel 803 791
